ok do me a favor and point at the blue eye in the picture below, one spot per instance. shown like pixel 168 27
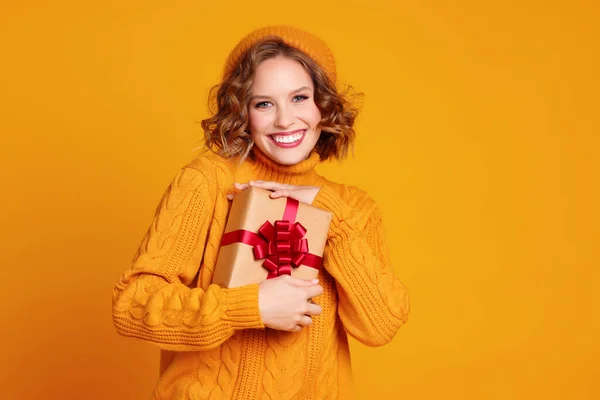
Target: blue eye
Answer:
pixel 265 104
pixel 258 105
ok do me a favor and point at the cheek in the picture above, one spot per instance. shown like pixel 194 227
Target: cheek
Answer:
pixel 257 122
pixel 312 116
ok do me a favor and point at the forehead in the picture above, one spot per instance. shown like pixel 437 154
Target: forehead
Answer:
pixel 280 75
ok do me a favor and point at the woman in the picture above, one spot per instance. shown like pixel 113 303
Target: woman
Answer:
pixel 278 114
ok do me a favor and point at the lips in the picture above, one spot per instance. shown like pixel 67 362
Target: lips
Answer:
pixel 288 139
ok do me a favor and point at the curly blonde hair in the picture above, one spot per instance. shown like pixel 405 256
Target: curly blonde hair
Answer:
pixel 226 131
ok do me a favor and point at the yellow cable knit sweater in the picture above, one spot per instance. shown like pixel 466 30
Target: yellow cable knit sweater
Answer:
pixel 213 342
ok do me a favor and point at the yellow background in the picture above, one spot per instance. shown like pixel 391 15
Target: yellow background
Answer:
pixel 479 138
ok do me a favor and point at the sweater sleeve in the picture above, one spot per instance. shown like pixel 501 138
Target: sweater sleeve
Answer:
pixel 155 300
pixel 373 302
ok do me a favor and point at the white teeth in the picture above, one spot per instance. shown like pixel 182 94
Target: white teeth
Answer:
pixel 288 138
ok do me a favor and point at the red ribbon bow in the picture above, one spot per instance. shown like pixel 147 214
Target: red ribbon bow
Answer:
pixel 281 245
pixel 284 247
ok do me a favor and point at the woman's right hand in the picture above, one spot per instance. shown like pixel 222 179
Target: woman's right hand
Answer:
pixel 285 302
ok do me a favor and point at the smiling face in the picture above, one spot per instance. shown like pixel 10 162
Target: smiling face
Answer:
pixel 283 116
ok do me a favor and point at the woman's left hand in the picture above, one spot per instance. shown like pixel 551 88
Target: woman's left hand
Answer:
pixel 305 194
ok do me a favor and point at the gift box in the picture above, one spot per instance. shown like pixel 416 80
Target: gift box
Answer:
pixel 265 238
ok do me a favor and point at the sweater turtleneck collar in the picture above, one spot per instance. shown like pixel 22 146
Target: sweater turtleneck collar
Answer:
pixel 266 169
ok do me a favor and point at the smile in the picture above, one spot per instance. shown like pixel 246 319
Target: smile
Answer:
pixel 288 140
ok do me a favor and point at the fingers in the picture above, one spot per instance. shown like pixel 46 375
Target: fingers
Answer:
pixel 278 189
pixel 313 291
pixel 238 187
pixel 305 320
pixel 313 309
pixel 282 193
pixel 301 282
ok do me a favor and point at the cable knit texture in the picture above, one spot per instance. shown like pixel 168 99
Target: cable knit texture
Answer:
pixel 213 342
pixel 310 44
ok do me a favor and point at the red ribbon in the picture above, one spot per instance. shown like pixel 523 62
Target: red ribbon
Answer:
pixel 281 245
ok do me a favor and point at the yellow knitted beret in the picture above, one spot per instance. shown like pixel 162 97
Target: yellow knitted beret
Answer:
pixel 314 47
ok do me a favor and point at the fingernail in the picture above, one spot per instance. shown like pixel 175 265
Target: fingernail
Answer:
pixel 315 280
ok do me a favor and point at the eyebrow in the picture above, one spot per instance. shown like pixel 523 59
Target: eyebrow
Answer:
pixel 292 92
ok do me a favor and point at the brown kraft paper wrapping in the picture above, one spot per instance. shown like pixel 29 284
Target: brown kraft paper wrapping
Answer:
pixel 236 264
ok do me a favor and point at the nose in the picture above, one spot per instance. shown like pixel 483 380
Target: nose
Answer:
pixel 284 118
